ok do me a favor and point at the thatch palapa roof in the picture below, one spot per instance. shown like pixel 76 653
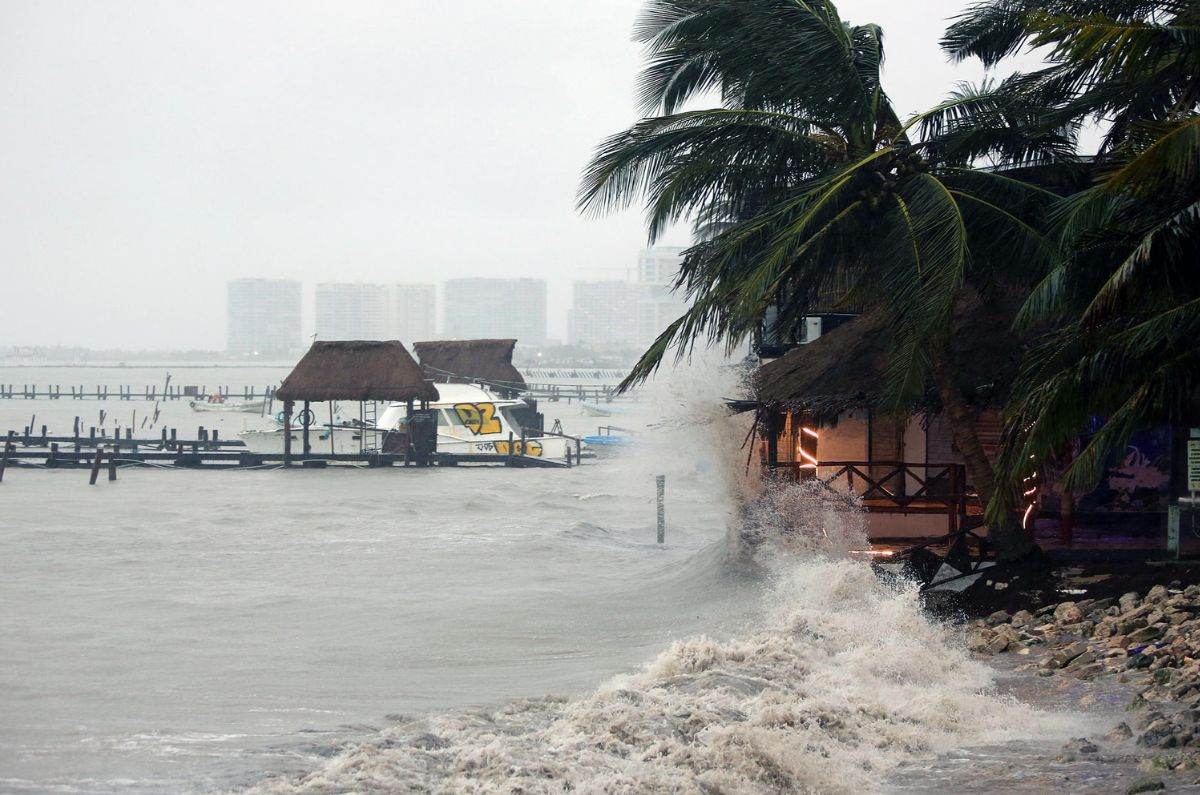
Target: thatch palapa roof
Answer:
pixel 847 368
pixel 356 370
pixel 458 361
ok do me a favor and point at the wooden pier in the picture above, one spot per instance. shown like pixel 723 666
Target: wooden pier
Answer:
pixel 104 392
pixel 207 450
pixel 126 392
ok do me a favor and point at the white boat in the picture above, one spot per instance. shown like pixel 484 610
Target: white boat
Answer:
pixel 592 409
pixel 473 421
pixel 345 439
pixel 222 403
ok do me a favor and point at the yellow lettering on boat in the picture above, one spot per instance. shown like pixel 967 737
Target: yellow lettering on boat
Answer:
pixel 480 418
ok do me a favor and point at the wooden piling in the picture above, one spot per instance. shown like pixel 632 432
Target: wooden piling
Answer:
pixel 8 446
pixel 660 487
pixel 112 468
pixel 96 465
pixel 287 433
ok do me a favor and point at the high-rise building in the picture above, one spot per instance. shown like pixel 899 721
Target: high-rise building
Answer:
pixel 658 305
pixel 361 311
pixel 659 264
pixel 605 314
pixel 263 317
pixel 351 311
pixel 412 312
pixel 496 308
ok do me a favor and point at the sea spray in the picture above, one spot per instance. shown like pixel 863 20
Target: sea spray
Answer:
pixel 842 680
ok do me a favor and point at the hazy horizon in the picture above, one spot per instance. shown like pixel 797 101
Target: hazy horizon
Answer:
pixel 154 151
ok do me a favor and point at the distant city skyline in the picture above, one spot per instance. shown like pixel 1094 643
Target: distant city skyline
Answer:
pixel 604 315
pixel 319 143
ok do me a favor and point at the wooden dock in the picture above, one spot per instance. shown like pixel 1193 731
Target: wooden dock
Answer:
pixel 208 451
pixel 541 391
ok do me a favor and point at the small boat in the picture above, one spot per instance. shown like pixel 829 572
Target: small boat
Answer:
pixel 608 437
pixel 601 409
pixel 473 421
pixel 222 403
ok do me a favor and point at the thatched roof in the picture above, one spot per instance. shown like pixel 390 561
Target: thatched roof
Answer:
pixel 356 370
pixel 847 368
pixel 450 361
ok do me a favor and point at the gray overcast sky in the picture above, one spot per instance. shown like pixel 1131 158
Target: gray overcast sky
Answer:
pixel 149 151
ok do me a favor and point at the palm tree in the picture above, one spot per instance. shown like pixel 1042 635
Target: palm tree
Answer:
pixel 1121 303
pixel 806 174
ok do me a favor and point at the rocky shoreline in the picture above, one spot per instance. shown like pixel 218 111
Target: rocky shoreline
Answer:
pixel 1149 642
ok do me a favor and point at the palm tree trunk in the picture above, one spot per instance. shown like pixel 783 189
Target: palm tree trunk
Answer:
pixel 1010 538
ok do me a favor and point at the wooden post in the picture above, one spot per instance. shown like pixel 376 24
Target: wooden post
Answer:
pixel 331 450
pixel 307 421
pixel 660 487
pixel 4 455
pixel 96 465
pixel 287 433
pixel 112 468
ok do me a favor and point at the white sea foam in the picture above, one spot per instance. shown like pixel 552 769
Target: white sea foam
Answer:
pixel 844 679
pixel 841 679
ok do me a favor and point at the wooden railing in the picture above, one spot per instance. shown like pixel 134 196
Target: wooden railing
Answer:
pixel 895 487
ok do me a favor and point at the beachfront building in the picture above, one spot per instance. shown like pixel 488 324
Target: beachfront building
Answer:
pixel 824 413
pixel 263 317
pixel 478 308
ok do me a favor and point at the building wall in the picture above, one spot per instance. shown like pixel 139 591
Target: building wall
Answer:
pixel 412 312
pixel 351 311
pixel 496 308
pixel 604 314
pixel 263 317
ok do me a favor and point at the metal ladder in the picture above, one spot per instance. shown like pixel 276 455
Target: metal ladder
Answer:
pixel 370 427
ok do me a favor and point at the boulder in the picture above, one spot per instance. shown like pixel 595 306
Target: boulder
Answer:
pixel 1068 613
pixel 1064 655
pixel 999 617
pixel 1128 602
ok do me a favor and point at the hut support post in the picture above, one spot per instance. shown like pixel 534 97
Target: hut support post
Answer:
pixel 306 421
pixel 287 433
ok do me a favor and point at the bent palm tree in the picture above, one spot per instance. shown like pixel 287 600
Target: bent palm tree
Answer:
pixel 811 176
pixel 1122 301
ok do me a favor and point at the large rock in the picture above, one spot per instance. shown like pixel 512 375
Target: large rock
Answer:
pixel 1068 613
pixel 1064 655
pixel 999 617
pixel 1128 602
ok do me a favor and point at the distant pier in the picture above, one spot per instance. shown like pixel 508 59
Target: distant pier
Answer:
pixel 541 391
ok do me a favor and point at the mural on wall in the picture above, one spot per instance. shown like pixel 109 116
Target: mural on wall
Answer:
pixel 1137 480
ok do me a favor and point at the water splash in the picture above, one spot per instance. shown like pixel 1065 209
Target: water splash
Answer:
pixel 840 680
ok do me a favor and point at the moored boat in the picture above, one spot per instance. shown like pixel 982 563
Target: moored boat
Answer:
pixel 222 403
pixel 473 421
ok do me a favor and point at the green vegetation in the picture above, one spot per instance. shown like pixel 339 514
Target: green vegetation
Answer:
pixel 801 179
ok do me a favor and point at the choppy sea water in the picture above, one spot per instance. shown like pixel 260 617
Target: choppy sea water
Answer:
pixel 459 629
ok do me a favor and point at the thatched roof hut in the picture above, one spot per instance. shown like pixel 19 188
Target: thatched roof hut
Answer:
pixel 847 368
pixel 458 361
pixel 356 370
